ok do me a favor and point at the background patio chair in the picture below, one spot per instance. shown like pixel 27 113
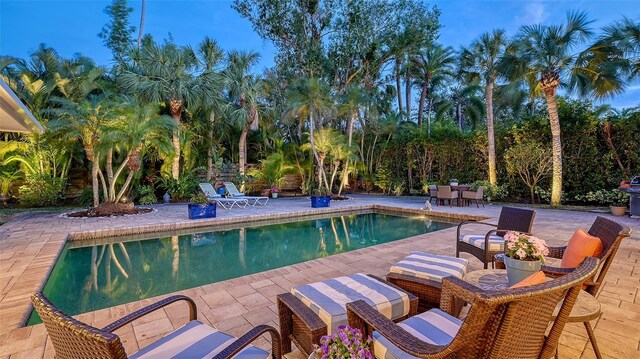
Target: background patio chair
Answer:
pixel 512 323
pixel 445 193
pixel 226 203
pixel 433 192
pixel 486 246
pixel 74 339
pixel 234 192
pixel 477 195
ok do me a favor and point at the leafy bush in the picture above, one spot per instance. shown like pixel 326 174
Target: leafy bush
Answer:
pixel 491 190
pixel 606 197
pixel 180 189
pixel 86 197
pixel 41 191
pixel 398 186
pixel 146 195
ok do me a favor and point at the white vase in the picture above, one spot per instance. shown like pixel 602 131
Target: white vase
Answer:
pixel 517 269
pixel 274 194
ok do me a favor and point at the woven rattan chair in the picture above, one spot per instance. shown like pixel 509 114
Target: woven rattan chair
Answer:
pixel 486 246
pixel 611 234
pixel 512 323
pixel 445 193
pixel 433 193
pixel 477 196
pixel 74 339
pixel 302 326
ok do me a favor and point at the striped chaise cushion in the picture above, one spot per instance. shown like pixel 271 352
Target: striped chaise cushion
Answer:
pixel 431 266
pixel 434 327
pixel 329 298
pixel 496 243
pixel 195 340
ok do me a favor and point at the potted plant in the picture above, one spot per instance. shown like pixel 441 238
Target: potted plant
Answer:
pixel 619 201
pixel 347 342
pixel 320 198
pixel 524 255
pixel 274 192
pixel 616 200
pixel 200 207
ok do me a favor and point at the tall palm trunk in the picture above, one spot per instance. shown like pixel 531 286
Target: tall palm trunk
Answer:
pixel 398 85
pixel 212 119
pixel 407 92
pixel 550 83
pixel 94 182
pixel 320 161
pixel 176 111
pixel 345 170
pixel 488 96
pixel 242 149
pixel 423 98
pixel 140 31
pixel 459 115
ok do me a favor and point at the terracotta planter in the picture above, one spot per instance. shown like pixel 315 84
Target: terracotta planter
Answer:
pixel 618 210
pixel 517 269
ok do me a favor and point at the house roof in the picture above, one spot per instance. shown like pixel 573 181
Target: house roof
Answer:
pixel 14 115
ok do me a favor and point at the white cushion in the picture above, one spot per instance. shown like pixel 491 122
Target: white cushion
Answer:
pixel 329 298
pixel 195 340
pixel 434 327
pixel 496 243
pixel 431 266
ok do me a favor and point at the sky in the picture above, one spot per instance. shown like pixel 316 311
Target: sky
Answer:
pixel 72 26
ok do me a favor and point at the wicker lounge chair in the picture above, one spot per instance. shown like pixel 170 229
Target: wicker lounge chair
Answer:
pixel 445 193
pixel 512 323
pixel 74 339
pixel 235 193
pixel 421 274
pixel 226 203
pixel 314 310
pixel 486 246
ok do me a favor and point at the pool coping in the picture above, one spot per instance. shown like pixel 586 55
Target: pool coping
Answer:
pixel 193 224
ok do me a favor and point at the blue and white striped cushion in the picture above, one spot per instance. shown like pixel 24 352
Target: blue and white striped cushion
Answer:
pixel 496 243
pixel 195 340
pixel 431 266
pixel 329 298
pixel 434 327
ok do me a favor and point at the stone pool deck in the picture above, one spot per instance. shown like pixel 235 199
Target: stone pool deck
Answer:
pixel 30 244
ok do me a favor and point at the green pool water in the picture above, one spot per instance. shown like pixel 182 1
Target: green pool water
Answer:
pixel 94 275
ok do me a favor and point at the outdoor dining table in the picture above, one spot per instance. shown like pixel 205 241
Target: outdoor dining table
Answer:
pixel 460 188
pixel 586 308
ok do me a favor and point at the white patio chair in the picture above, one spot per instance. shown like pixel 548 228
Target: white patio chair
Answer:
pixel 226 203
pixel 235 193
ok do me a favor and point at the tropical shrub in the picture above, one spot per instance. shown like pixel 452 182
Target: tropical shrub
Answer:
pixel 606 197
pixel 41 191
pixel 180 189
pixel 146 195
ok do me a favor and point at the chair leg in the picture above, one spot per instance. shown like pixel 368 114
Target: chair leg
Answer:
pixel 592 339
pixel 477 205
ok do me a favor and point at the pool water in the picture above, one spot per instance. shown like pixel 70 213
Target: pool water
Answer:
pixel 94 276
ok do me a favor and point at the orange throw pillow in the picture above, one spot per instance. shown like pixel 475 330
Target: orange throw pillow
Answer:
pixel 536 278
pixel 581 245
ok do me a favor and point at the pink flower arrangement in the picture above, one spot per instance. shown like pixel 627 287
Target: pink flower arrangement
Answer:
pixel 275 190
pixel 525 247
pixel 347 342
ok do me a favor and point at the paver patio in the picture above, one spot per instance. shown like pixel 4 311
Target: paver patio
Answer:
pixel 30 244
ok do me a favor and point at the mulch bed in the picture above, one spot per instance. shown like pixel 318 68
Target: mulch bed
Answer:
pixel 110 209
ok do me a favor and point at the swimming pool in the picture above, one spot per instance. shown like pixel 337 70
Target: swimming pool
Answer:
pixel 91 275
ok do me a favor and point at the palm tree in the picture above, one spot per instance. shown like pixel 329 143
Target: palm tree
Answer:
pixel 546 53
pixel 211 56
pixel 164 73
pixel 435 60
pixel 85 119
pixel 310 99
pixel 137 128
pixel 618 48
pixel 351 102
pixel 481 60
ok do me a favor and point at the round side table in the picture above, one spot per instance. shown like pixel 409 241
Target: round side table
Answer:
pixel 585 309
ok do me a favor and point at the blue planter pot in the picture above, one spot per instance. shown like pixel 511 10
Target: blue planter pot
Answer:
pixel 199 211
pixel 320 202
pixel 517 270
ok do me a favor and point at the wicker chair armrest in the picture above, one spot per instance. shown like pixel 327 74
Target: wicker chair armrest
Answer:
pixel 455 289
pixel 555 272
pixel 193 312
pixel 250 337
pixel 556 252
pixel 364 317
pixel 310 319
pixel 472 222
